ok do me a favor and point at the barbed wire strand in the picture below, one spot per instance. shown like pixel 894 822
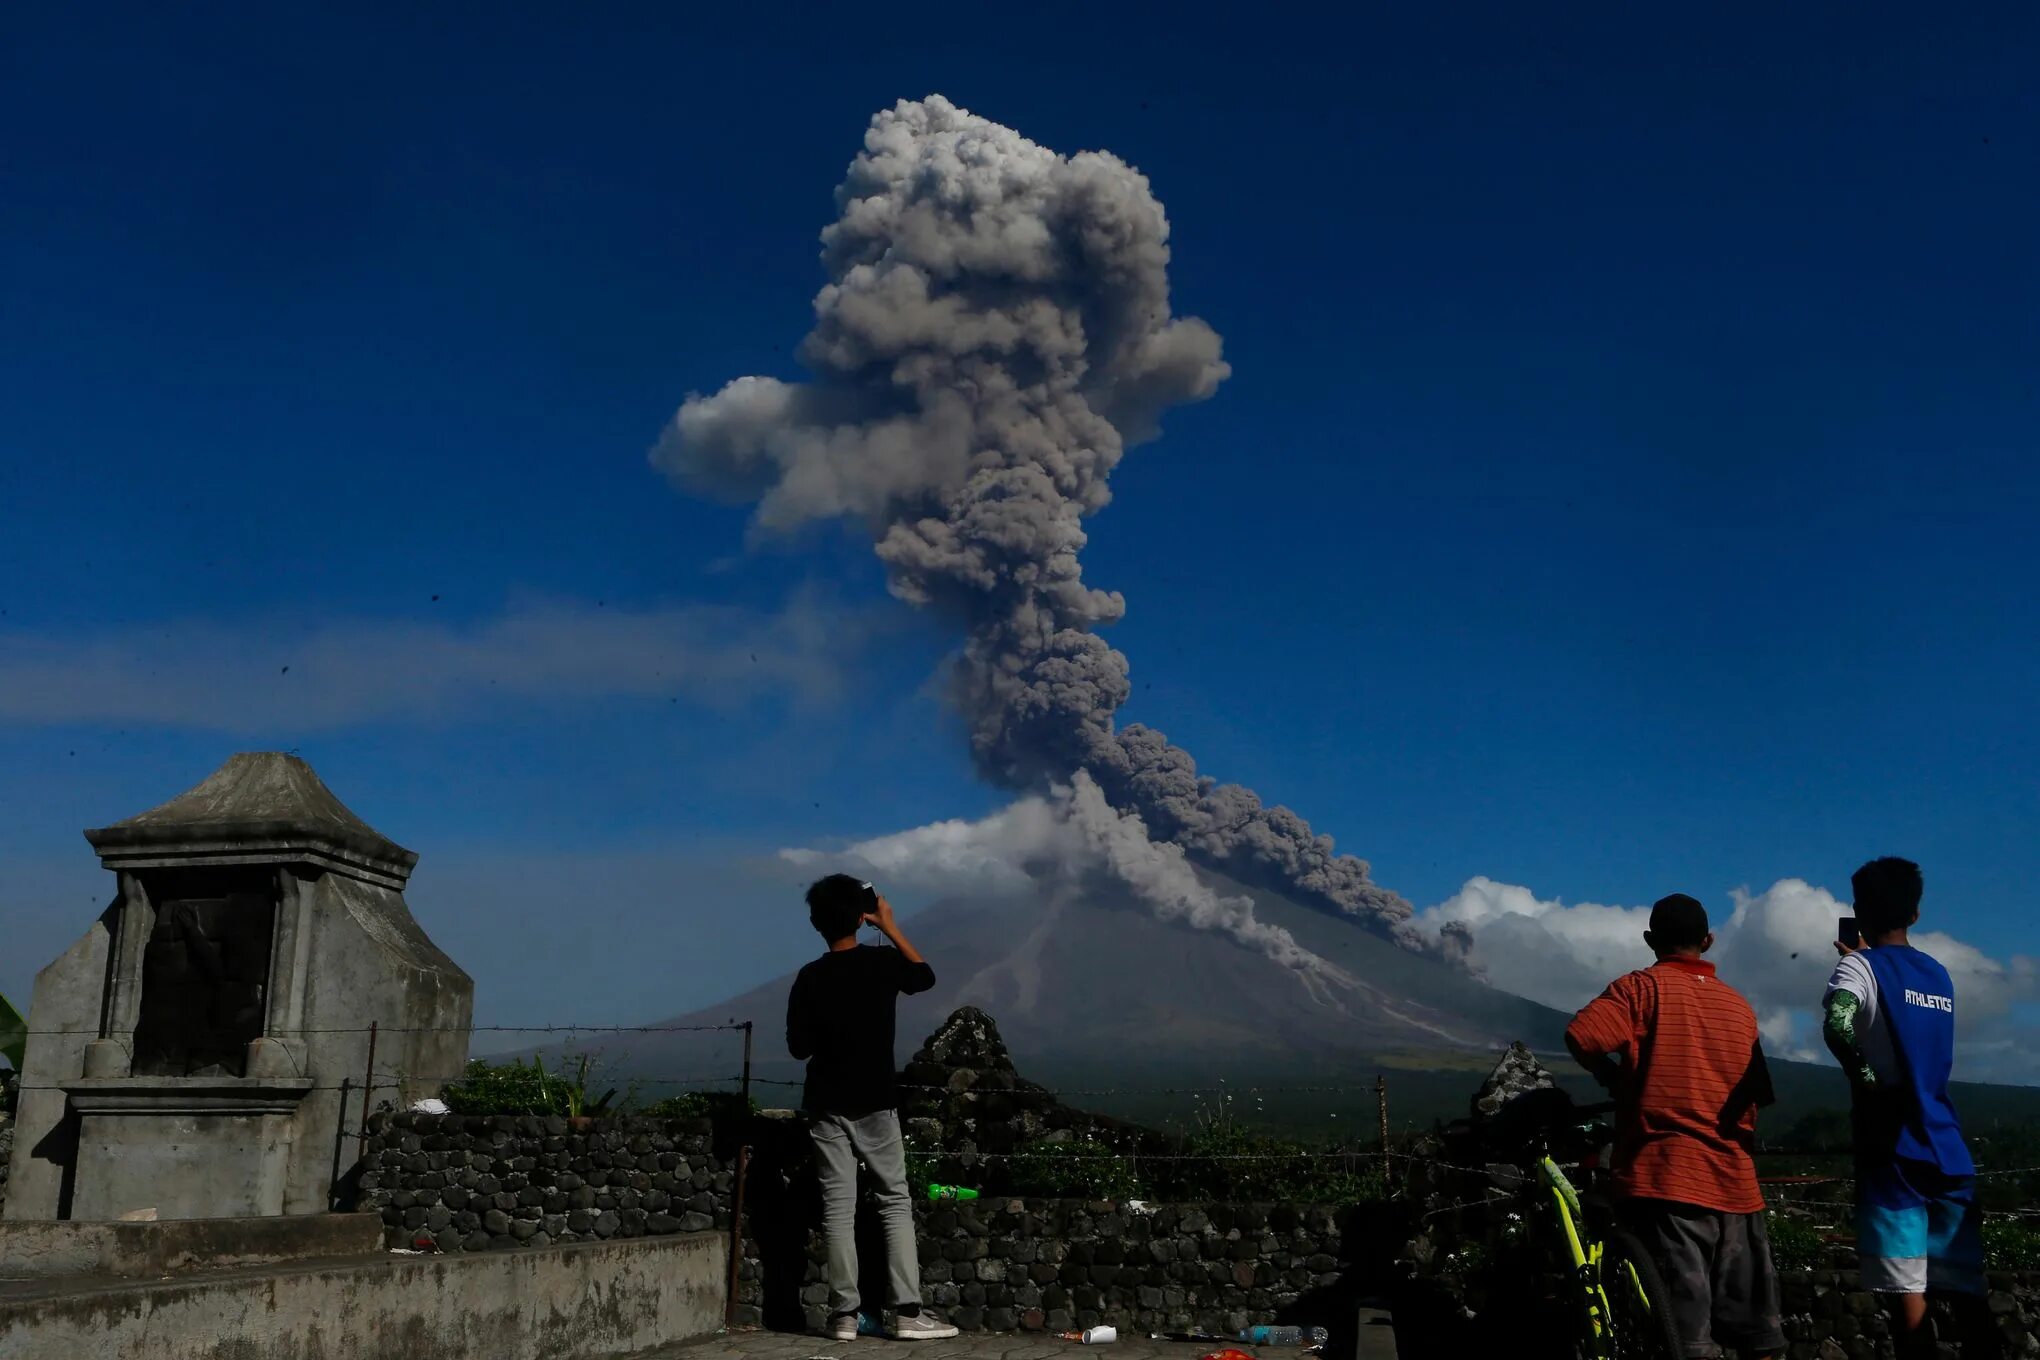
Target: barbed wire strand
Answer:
pixel 288 1032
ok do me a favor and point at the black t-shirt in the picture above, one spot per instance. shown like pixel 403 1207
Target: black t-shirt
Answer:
pixel 840 1019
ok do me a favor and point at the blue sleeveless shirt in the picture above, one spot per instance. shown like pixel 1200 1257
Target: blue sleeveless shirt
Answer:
pixel 1916 1003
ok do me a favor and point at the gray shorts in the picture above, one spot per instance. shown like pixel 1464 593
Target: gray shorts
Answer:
pixel 1717 1268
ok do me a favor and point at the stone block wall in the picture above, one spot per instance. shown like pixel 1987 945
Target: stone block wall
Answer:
pixel 1828 1316
pixel 456 1183
pixel 1048 1265
pixel 481 1182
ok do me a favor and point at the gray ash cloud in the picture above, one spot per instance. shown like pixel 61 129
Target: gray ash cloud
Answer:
pixel 995 332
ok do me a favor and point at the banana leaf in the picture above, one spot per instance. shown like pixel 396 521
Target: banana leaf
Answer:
pixel 13 1034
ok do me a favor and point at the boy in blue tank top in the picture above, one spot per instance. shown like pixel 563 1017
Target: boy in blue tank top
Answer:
pixel 1890 1020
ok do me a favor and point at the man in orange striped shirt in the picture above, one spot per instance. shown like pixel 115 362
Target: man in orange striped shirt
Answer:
pixel 1680 1051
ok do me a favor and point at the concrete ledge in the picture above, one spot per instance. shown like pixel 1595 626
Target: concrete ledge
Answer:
pixel 574 1302
pixel 151 1250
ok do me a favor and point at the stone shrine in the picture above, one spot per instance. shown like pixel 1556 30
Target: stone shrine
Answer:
pixel 202 1051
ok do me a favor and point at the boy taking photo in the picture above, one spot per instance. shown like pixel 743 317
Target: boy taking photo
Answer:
pixel 1890 1021
pixel 840 1019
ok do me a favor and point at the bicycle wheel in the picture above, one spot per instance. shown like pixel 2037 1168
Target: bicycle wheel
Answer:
pixel 1643 1326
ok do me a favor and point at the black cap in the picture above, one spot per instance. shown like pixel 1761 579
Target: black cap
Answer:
pixel 1677 922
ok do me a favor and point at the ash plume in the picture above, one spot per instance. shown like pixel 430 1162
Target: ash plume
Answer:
pixel 994 332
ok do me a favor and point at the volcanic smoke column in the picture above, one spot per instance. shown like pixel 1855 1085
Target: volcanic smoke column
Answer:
pixel 994 332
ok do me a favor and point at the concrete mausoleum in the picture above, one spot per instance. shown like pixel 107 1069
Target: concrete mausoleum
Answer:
pixel 202 1051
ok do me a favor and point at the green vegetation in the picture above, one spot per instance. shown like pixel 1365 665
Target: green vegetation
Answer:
pixel 716 1105
pixel 527 1087
pixel 2010 1245
pixel 1074 1170
pixel 515 1088
pixel 13 1035
pixel 1795 1243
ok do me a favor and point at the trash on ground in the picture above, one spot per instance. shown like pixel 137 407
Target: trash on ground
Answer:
pixel 1228 1353
pixel 139 1216
pixel 1092 1336
pixel 430 1105
pixel 951 1192
pixel 1283 1336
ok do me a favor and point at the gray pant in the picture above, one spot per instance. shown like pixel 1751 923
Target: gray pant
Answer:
pixel 840 1142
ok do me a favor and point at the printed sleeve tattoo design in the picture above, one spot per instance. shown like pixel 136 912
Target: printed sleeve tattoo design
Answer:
pixel 1840 1032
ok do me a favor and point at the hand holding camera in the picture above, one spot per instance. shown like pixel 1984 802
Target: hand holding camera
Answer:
pixel 880 913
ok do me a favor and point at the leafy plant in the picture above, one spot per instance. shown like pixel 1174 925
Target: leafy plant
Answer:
pixel 2010 1246
pixel 13 1034
pixel 716 1105
pixel 514 1088
pixel 1074 1170
pixel 1795 1242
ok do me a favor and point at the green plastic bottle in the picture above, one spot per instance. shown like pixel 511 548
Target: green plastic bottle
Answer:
pixel 951 1192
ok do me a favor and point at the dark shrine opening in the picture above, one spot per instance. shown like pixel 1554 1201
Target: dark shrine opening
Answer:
pixel 205 971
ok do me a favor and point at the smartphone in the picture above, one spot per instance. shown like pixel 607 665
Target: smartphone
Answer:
pixel 1847 933
pixel 870 902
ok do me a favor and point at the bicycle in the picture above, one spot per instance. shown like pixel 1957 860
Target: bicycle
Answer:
pixel 1619 1305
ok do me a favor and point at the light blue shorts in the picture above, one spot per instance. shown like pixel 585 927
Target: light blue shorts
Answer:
pixel 1917 1229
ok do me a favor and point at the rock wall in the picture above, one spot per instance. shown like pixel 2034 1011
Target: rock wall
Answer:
pixel 1009 1263
pixel 480 1182
pixel 455 1183
pixel 1048 1265
pixel 1828 1316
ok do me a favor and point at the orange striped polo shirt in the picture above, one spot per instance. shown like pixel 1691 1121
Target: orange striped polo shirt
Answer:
pixel 1686 1128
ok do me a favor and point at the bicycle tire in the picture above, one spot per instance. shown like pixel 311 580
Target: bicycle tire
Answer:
pixel 1644 1328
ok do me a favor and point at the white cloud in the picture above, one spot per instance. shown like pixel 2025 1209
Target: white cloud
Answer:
pixel 1775 947
pixel 990 856
pixel 1057 842
pixel 292 676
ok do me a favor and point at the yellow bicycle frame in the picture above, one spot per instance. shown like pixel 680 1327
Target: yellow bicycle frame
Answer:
pixel 1586 1256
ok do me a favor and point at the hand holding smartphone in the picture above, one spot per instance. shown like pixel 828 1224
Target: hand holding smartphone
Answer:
pixel 1848 938
pixel 877 911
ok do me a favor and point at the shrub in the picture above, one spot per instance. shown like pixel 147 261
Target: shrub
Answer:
pixel 514 1088
pixel 2010 1246
pixel 716 1105
pixel 1795 1243
pixel 13 1035
pixel 1074 1170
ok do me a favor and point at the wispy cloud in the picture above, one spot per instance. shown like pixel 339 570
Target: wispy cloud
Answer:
pixel 249 677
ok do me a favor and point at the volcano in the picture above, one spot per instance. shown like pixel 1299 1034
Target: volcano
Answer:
pixel 1097 996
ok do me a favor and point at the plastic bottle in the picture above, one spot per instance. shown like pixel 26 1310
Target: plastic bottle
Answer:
pixel 1092 1336
pixel 1282 1336
pixel 939 1192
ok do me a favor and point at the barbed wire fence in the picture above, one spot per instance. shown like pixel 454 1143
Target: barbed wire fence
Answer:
pixel 1396 1166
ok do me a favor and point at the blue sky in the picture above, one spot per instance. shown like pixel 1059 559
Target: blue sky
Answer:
pixel 1625 484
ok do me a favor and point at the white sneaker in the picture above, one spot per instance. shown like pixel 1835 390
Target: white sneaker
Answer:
pixel 919 1327
pixel 842 1328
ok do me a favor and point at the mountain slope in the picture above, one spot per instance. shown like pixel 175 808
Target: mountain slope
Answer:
pixel 1128 1015
pixel 1099 991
